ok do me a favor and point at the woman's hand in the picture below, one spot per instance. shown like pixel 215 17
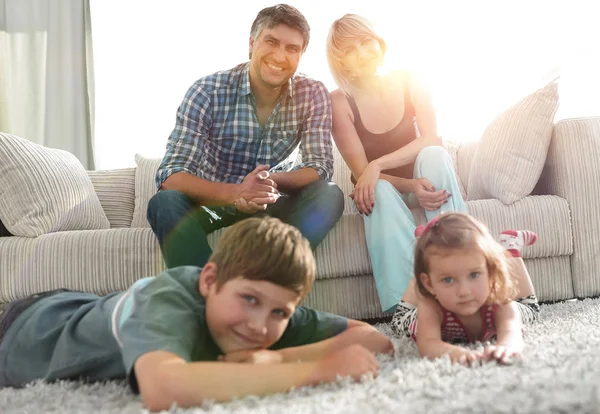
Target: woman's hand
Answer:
pixel 364 190
pixel 428 197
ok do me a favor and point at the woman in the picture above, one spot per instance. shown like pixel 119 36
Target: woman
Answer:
pixel 385 129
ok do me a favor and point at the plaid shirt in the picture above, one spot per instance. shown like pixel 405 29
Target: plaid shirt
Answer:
pixel 217 136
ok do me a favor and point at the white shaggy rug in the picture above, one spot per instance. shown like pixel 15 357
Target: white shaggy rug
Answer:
pixel 559 373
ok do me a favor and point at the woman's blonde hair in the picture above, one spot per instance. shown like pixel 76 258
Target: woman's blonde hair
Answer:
pixel 265 248
pixel 461 231
pixel 346 32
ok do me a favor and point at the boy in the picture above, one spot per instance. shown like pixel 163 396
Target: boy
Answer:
pixel 229 329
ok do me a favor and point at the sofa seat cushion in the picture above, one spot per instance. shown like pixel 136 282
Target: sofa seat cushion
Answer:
pixel 344 251
pixel 547 215
pixel 98 261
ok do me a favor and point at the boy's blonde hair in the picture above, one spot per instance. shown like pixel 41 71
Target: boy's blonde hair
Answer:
pixel 265 248
pixel 344 33
pixel 462 231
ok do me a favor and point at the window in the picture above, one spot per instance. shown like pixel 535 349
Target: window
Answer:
pixel 478 56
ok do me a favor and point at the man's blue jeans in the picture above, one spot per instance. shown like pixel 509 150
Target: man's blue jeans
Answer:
pixel 181 225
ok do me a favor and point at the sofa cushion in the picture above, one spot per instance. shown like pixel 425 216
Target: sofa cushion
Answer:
pixel 116 191
pixel 98 261
pixel 145 188
pixel 509 159
pixel 547 215
pixel 45 190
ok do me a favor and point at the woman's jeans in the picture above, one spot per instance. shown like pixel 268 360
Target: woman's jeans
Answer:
pixel 181 225
pixel 389 229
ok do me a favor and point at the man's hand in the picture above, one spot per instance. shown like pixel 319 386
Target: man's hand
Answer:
pixel 248 207
pixel 256 191
pixel 354 361
pixel 428 197
pixel 261 356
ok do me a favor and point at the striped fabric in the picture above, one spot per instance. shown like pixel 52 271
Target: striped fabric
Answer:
pixel 511 153
pixel 98 261
pixel 356 296
pixel 45 190
pixel 573 172
pixel 145 188
pixel 116 191
pixel 341 176
pixel 547 215
pixel 464 157
pixel 452 148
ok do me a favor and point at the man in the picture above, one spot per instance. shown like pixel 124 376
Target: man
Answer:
pixel 232 152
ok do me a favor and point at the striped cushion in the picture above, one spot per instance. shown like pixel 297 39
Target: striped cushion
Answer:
pixel 116 191
pixel 145 188
pixel 509 159
pixel 115 258
pixel 45 190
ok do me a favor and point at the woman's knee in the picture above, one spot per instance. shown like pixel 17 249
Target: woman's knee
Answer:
pixel 384 189
pixel 433 154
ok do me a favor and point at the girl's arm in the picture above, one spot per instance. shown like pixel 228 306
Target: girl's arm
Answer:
pixel 429 335
pixel 509 330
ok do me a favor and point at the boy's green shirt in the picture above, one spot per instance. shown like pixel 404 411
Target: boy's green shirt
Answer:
pixel 74 335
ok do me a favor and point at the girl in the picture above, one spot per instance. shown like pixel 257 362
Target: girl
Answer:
pixel 384 126
pixel 466 285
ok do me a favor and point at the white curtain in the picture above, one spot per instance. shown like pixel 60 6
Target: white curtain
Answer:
pixel 46 74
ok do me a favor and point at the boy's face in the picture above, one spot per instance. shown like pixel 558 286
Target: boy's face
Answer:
pixel 245 314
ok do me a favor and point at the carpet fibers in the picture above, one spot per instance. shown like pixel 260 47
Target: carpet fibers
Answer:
pixel 559 373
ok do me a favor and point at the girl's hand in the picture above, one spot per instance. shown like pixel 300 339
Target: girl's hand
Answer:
pixel 464 356
pixel 504 354
pixel 364 190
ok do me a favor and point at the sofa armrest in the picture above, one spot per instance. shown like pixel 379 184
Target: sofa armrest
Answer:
pixel 572 171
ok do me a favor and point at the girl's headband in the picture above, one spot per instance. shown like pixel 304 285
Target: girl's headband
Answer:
pixel 420 230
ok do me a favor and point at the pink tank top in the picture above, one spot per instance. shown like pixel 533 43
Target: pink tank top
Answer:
pixel 453 329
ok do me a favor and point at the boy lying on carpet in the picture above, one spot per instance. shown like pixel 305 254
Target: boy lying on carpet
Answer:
pixel 229 329
pixel 466 285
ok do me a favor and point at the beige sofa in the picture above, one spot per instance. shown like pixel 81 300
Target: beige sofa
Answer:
pixel 563 211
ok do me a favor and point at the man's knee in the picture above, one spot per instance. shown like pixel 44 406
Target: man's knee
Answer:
pixel 168 203
pixel 330 192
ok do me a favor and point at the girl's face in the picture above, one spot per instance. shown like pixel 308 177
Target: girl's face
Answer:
pixel 363 57
pixel 458 278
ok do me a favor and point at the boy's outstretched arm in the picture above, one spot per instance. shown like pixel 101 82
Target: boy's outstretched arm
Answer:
pixel 360 333
pixel 165 378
